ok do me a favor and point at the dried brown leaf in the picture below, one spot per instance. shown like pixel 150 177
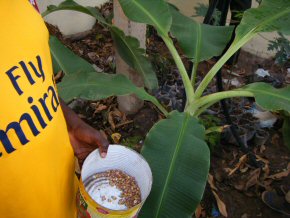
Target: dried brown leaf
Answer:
pixel 111 120
pixel 244 215
pixel 253 178
pixel 115 114
pixel 210 180
pixel 241 163
pixel 275 139
pixel 244 169
pixel 262 148
pixel 221 205
pixel 239 186
pixel 259 158
pixel 58 76
pixel 266 170
pixel 266 184
pixel 198 211
pixel 124 123
pixel 279 175
pixel 100 108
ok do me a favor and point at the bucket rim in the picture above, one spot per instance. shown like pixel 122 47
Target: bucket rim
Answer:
pixel 112 210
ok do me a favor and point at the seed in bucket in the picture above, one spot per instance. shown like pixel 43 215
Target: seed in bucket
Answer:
pixel 114 189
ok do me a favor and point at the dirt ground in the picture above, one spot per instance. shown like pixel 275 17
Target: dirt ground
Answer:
pixel 237 181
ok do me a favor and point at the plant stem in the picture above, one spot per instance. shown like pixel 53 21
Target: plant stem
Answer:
pixel 203 108
pixel 186 81
pixel 237 44
pixel 194 74
pixel 201 104
pixel 196 56
pixel 160 107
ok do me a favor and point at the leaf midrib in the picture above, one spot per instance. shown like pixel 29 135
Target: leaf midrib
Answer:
pixel 198 43
pixel 136 60
pixel 267 20
pixel 172 164
pixel 163 31
pixel 274 17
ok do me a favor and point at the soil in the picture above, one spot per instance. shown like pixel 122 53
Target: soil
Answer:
pixel 239 179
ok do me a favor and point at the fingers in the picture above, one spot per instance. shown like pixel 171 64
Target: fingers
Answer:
pixel 93 138
pixel 103 148
pixel 100 140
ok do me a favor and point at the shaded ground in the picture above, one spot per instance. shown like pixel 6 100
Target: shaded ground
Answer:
pixel 236 180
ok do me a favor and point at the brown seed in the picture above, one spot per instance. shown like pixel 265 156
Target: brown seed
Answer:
pixel 131 195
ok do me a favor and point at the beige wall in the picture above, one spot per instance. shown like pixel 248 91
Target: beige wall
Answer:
pixel 257 46
pixel 70 22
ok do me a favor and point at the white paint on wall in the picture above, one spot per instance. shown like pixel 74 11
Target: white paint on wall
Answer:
pixel 70 22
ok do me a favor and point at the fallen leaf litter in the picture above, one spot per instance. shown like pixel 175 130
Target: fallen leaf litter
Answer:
pixel 114 189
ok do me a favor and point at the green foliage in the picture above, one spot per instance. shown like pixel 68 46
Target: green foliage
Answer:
pixel 152 12
pixel 269 16
pixel 213 130
pixel 270 98
pixel 201 10
pixel 128 47
pixel 179 159
pixel 199 41
pixel 81 80
pixel 282 47
pixel 65 60
pixel 71 5
pixel 132 141
pixel 175 147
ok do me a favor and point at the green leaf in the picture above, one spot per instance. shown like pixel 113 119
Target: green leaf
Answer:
pixel 55 65
pixel 199 41
pixel 270 98
pixel 129 49
pixel 271 15
pixel 179 159
pixel 63 58
pixel 152 12
pixel 96 86
pixel 71 5
pixel 82 81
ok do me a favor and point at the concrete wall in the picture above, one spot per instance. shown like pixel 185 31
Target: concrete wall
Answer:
pixel 257 46
pixel 70 22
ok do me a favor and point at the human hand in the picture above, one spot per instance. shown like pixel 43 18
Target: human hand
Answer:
pixel 84 139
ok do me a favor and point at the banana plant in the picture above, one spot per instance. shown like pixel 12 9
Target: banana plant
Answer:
pixel 175 147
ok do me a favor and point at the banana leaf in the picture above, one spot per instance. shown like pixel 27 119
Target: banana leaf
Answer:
pixel 152 12
pixel 199 41
pixel 179 158
pixel 128 47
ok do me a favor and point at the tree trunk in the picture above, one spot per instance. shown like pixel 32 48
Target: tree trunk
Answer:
pixel 129 104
